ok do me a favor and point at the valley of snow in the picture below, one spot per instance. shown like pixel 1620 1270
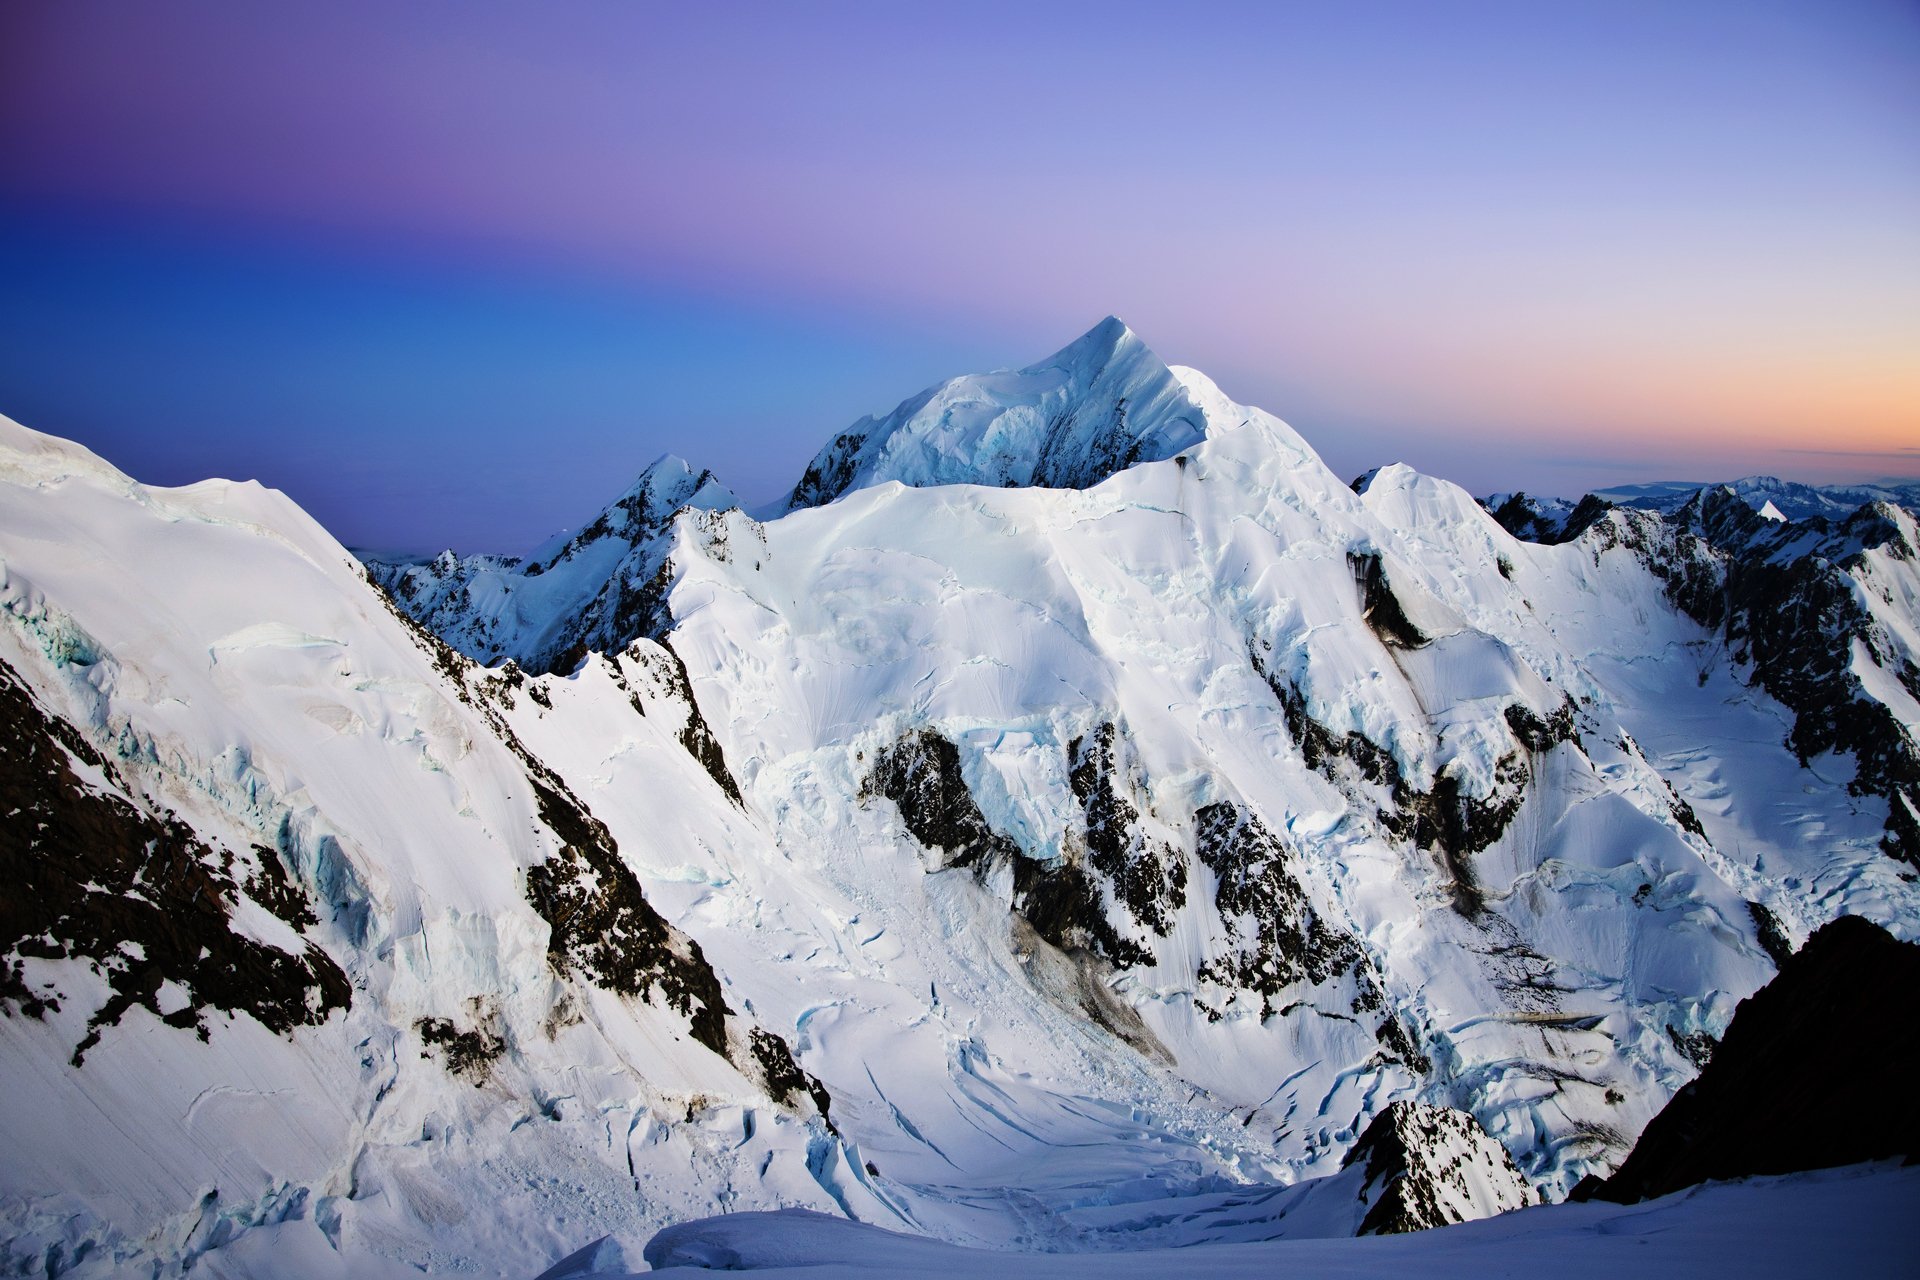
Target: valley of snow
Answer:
pixel 1101 855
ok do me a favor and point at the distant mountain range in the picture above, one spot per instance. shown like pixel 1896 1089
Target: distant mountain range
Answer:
pixel 1543 518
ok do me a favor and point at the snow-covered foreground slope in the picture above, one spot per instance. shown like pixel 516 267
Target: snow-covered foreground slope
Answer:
pixel 1854 1222
pixel 1107 856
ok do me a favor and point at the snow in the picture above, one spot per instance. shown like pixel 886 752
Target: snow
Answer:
pixel 1842 1222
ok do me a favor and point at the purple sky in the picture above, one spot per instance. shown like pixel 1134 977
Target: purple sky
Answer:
pixel 451 272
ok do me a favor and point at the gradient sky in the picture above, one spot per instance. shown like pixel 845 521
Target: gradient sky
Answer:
pixel 451 273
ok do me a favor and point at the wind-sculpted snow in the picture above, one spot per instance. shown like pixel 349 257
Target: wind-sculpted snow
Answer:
pixel 1092 856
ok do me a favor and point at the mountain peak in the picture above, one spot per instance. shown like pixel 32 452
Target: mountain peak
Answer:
pixel 1098 405
pixel 1097 346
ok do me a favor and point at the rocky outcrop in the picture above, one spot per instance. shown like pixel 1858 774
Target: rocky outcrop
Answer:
pixel 135 896
pixel 1428 1166
pixel 1816 1070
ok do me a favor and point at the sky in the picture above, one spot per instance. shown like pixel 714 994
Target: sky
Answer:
pixel 453 273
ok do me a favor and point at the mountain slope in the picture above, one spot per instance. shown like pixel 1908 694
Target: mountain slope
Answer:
pixel 596 590
pixel 1790 500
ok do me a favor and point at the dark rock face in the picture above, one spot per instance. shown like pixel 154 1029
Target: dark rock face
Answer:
pixel 695 735
pixel 1431 1167
pixel 1379 606
pixel 1547 521
pixel 1816 1070
pixel 137 896
pixel 1277 939
pixel 1280 940
pixel 1767 930
pixel 1149 877
pixel 921 775
pixel 603 927
pixel 829 474
pixel 1061 901
pixel 468 1052
pixel 782 1075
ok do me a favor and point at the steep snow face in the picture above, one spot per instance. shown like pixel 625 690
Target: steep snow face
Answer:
pixel 300 933
pixel 596 590
pixel 1820 614
pixel 1095 407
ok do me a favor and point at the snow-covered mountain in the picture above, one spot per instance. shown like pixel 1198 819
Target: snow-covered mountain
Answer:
pixel 1545 519
pixel 1097 406
pixel 590 591
pixel 1080 801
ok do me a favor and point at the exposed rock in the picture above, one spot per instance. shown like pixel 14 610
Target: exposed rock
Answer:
pixel 921 774
pixel 1280 939
pixel 1451 823
pixel 138 897
pixel 1430 1167
pixel 1145 874
pixel 468 1052
pixel 1379 606
pixel 605 930
pixel 1787 598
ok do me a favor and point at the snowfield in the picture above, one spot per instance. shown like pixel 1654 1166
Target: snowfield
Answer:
pixel 1853 1222
pixel 1062 869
